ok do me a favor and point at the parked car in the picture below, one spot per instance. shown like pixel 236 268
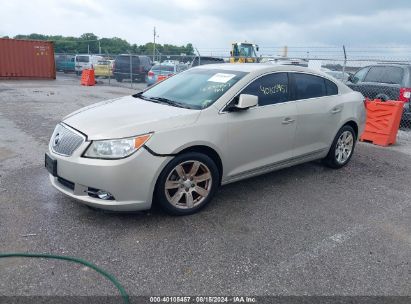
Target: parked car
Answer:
pixel 86 61
pixel 104 68
pixel 283 61
pixel 206 60
pixel 164 70
pixel 178 141
pixel 140 65
pixel 386 82
pixel 65 63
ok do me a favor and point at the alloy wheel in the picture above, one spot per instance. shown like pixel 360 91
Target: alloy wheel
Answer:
pixel 188 184
pixel 344 147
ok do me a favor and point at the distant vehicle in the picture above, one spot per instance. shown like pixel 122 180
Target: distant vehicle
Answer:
pixel 86 61
pixel 202 60
pixel 172 62
pixel 65 63
pixel 164 70
pixel 140 65
pixel 338 75
pixel 386 82
pixel 243 52
pixel 284 61
pixel 104 68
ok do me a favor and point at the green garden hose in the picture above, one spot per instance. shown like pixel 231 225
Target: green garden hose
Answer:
pixel 109 276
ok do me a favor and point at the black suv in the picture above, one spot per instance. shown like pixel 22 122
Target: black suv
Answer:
pixel 140 67
pixel 386 82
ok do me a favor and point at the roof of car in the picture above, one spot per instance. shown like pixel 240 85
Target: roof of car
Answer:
pixel 251 67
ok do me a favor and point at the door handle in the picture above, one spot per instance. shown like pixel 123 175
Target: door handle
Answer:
pixel 336 110
pixel 287 121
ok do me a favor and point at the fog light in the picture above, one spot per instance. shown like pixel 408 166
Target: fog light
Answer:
pixel 104 195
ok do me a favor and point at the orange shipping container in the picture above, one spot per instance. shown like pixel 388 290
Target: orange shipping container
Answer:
pixel 26 59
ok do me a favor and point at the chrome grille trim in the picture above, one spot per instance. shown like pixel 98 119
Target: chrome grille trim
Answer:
pixel 65 140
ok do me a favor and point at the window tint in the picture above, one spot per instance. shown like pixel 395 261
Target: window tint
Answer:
pixel 331 87
pixel 308 86
pixel 385 74
pixel 270 89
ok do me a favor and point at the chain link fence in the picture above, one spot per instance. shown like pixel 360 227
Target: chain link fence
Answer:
pixel 378 73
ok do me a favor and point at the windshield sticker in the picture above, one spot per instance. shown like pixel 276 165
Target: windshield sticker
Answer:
pixel 216 88
pixel 221 77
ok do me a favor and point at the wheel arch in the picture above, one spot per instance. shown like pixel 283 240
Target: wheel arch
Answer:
pixel 353 125
pixel 210 152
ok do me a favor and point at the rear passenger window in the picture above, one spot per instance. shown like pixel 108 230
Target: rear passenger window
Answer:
pixel 308 86
pixel 385 74
pixel 270 89
pixel 331 87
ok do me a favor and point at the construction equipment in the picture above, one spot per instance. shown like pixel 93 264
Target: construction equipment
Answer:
pixel 243 52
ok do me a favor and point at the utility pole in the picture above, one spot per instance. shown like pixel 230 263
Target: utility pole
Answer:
pixel 154 49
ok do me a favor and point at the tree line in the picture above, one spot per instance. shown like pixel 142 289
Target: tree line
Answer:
pixel 89 42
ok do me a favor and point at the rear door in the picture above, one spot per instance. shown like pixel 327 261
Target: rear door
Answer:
pixel 318 113
pixel 264 135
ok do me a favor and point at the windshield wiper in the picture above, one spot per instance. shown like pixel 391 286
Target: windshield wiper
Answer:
pixel 162 100
pixel 170 102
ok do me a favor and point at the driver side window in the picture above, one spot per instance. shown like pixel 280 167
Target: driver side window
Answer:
pixel 270 89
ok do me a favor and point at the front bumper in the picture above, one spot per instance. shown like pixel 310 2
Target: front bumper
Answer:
pixel 130 180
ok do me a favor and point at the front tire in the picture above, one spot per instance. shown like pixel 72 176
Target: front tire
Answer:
pixel 342 148
pixel 187 184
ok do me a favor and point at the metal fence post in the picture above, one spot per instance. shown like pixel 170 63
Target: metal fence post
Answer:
pixel 131 71
pixel 344 65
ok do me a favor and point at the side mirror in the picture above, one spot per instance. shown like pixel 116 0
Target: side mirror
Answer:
pixel 350 78
pixel 246 101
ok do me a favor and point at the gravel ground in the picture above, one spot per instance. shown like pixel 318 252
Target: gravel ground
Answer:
pixel 306 230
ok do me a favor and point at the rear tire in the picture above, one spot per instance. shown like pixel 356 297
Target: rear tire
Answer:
pixel 187 184
pixel 342 148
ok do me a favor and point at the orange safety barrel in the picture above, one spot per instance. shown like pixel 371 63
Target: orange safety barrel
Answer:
pixel 383 121
pixel 87 77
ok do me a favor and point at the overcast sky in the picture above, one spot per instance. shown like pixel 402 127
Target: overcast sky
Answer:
pixel 211 25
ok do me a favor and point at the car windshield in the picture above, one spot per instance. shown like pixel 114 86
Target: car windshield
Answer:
pixel 194 88
pixel 82 58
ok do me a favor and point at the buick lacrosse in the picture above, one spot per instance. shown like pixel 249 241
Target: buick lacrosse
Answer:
pixel 176 142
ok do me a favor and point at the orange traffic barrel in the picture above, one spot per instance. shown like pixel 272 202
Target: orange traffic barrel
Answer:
pixel 87 77
pixel 383 121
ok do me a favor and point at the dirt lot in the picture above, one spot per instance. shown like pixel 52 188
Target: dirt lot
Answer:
pixel 306 230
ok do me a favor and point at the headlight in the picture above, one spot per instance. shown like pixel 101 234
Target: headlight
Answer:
pixel 116 148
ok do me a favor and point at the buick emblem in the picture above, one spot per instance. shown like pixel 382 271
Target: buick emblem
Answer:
pixel 56 140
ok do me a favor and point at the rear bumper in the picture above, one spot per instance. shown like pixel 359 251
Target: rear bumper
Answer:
pixel 130 180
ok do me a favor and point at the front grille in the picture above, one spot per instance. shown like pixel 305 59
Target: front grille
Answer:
pixel 66 183
pixel 65 141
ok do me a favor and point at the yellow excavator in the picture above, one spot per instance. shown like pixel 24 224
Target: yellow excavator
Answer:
pixel 243 52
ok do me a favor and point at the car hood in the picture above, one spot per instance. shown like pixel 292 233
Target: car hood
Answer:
pixel 128 116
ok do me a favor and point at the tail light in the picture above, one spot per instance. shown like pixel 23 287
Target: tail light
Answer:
pixel 150 74
pixel 405 94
